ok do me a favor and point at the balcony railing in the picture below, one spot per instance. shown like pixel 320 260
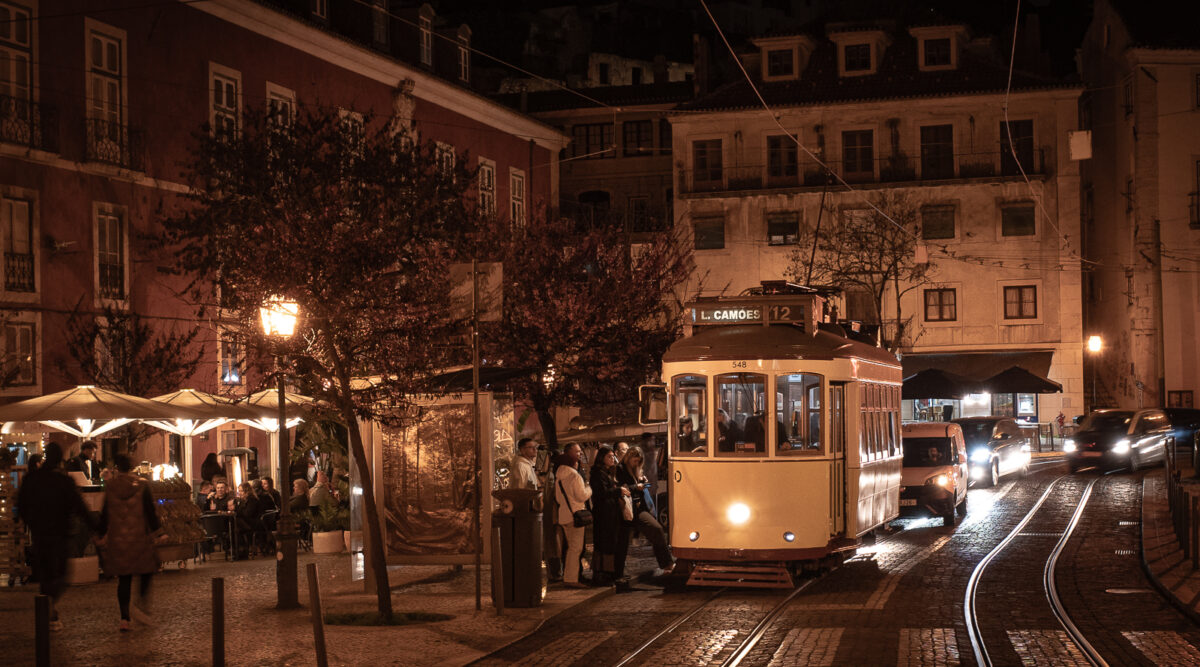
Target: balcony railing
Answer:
pixel 897 169
pixel 26 123
pixel 18 272
pixel 114 143
pixel 586 218
pixel 112 281
pixel 1194 209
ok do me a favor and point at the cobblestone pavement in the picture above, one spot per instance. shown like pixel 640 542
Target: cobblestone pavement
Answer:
pixel 901 601
pixel 257 634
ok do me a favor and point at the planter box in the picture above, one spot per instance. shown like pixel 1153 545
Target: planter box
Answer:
pixel 85 570
pixel 330 542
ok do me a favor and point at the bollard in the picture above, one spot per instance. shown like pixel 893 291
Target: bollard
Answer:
pixel 218 622
pixel 1194 532
pixel 318 615
pixel 41 629
pixel 497 573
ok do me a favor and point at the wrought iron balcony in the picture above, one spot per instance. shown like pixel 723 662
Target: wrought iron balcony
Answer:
pixel 114 143
pixel 112 281
pixel 26 123
pixel 897 169
pixel 18 272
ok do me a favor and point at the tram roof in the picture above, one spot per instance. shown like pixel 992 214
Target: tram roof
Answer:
pixel 755 341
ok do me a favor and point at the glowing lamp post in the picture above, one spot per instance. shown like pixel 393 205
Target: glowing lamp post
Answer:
pixel 279 322
pixel 1094 345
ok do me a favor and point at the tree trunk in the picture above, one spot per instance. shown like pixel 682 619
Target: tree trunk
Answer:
pixel 549 429
pixel 383 590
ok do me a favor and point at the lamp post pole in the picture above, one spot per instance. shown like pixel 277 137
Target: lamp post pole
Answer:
pixel 1094 345
pixel 285 558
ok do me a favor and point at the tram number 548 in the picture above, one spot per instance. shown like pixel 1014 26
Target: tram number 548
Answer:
pixel 740 364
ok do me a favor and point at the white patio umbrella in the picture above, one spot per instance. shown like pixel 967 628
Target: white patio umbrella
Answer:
pixel 87 411
pixel 218 410
pixel 266 402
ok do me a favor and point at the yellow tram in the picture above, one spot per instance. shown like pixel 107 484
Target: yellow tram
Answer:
pixel 783 434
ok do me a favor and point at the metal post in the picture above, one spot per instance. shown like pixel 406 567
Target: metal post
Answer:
pixel 1194 530
pixel 218 622
pixel 288 595
pixel 497 572
pixel 476 474
pixel 318 615
pixel 41 629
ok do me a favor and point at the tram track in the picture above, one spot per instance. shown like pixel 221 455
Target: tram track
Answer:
pixel 970 608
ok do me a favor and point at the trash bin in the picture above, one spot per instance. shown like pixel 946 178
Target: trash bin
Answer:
pixel 522 574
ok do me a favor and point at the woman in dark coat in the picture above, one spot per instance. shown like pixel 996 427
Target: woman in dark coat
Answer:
pixel 606 515
pixel 631 476
pixel 210 468
pixel 127 525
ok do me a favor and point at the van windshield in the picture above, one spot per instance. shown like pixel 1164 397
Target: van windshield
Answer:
pixel 926 452
pixel 977 432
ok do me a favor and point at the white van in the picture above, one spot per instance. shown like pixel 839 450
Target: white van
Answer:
pixel 935 474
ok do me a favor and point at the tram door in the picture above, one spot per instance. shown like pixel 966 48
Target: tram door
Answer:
pixel 837 447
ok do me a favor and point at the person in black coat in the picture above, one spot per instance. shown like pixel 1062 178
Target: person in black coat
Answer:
pixel 247 517
pixel 606 515
pixel 630 475
pixel 210 468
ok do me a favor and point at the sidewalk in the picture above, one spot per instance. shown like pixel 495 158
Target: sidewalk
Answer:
pixel 1162 555
pixel 257 634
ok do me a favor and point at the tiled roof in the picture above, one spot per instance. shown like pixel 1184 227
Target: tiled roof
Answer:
pixel 555 100
pixel 896 78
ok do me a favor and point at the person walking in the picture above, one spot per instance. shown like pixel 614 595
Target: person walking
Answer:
pixel 46 502
pixel 631 476
pixel 607 499
pixel 126 539
pixel 526 477
pixel 571 495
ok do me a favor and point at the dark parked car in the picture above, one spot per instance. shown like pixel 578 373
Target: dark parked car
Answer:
pixel 996 446
pixel 1117 438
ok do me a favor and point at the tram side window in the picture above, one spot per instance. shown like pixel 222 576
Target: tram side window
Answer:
pixel 798 413
pixel 741 413
pixel 689 420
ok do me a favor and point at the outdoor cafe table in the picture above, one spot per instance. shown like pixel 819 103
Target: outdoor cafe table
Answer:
pixel 230 521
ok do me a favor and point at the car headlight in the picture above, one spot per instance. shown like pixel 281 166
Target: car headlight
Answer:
pixel 981 455
pixel 1121 446
pixel 738 514
pixel 939 480
pixel 1069 445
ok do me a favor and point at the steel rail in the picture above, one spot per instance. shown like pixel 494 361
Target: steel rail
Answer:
pixel 1056 605
pixel 981 655
pixel 670 628
pixel 761 629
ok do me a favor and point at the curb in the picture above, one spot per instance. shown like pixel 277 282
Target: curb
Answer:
pixel 1166 592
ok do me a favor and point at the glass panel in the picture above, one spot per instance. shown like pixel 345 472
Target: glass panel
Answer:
pixel 799 418
pixel 927 452
pixel 741 406
pixel 689 421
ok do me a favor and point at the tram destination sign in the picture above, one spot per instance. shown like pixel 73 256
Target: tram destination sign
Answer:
pixel 752 311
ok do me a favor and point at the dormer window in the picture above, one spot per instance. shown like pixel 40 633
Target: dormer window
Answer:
pixel 857 58
pixel 426 26
pixel 859 51
pixel 936 52
pixel 938 46
pixel 780 62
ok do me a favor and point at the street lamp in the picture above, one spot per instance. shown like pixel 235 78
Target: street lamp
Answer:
pixel 1094 345
pixel 279 322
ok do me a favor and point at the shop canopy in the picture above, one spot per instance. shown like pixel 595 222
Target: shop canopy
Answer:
pixel 954 375
pixel 630 433
pixel 266 403
pixel 218 411
pixel 87 411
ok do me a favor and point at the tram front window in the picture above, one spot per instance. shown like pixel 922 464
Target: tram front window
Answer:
pixel 741 413
pixel 798 404
pixel 688 414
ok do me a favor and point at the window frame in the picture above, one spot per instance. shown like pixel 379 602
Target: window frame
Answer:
pixel 767 413
pixel 778 218
pixel 27 322
pixel 1024 144
pixel 517 197
pixel 279 97
pixel 932 208
pixel 714 161
pixel 1020 291
pixel 783 159
pixel 860 152
pixel 941 304
pixel 937 154
pixel 110 211
pixel 425 42
pixel 227 342
pixel 222 111
pixel 1014 206
pixel 592 141
pixel 823 435
pixel 697 221
pixel 870 60
pixel 704 405
pixel 779 57
pixel 486 184
pixel 925 53
pixel 9 202
pixel 642 140
pixel 20 58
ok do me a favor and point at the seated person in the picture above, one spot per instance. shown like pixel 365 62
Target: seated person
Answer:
pixel 201 498
pixel 247 520
pixel 755 432
pixel 726 432
pixel 298 505
pixel 219 499
pixel 687 438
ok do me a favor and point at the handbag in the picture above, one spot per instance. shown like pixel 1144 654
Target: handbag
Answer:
pixel 650 506
pixel 581 517
pixel 627 508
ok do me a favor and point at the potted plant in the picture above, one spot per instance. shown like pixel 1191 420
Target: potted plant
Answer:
pixel 329 523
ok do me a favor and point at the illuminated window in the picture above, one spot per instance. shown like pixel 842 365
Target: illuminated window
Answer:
pixel 783 228
pixel 798 413
pixel 232 359
pixel 689 414
pixel 741 413
pixel 941 305
pixel 110 253
pixel 19 344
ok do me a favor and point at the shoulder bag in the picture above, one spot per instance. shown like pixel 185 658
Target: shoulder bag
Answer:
pixel 582 517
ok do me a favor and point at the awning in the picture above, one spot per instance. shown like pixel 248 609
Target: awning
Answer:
pixel 992 372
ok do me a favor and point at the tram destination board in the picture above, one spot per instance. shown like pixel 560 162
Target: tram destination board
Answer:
pixel 796 311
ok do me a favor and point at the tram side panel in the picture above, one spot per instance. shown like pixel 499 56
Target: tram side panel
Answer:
pixel 873 458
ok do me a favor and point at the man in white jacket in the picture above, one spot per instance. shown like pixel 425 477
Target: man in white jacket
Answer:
pixel 572 495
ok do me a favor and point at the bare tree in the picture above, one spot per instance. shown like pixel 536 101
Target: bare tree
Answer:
pixel 871 250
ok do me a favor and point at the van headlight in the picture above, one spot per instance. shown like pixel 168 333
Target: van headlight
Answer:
pixel 738 514
pixel 939 480
pixel 1121 446
pixel 1069 445
pixel 981 455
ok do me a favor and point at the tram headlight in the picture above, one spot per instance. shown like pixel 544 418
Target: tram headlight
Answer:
pixel 738 514
pixel 789 536
pixel 1121 446
pixel 1069 445
pixel 693 536
pixel 981 455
